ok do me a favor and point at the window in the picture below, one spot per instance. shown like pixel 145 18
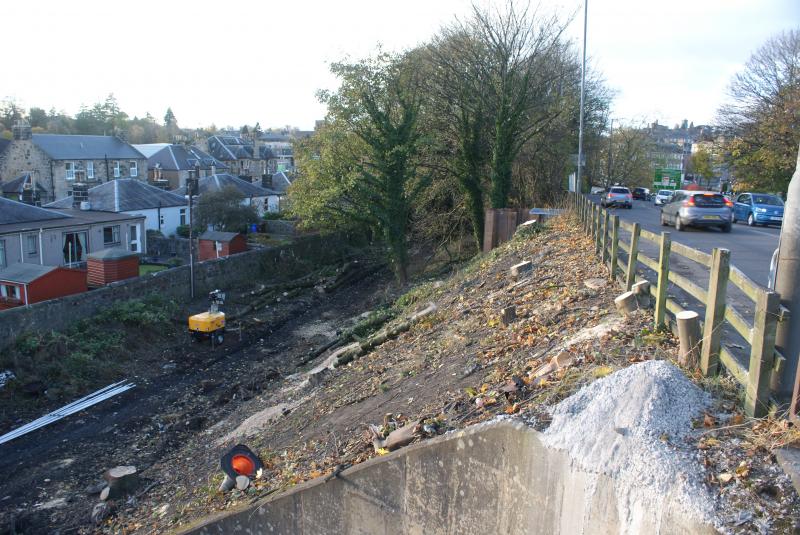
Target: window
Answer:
pixel 90 170
pixel 32 244
pixel 70 167
pixel 111 235
pixel 74 247
pixel 134 169
pixel 10 291
pixel 161 220
pixel 2 253
pixel 116 169
pixel 183 216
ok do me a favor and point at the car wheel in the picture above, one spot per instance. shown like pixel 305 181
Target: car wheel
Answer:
pixel 663 220
pixel 733 218
pixel 751 220
pixel 679 226
pixel 726 228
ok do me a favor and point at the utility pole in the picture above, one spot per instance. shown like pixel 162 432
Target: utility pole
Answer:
pixel 583 84
pixel 192 184
pixel 610 150
pixel 787 338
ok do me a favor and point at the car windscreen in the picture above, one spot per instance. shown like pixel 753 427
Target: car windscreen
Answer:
pixel 709 200
pixel 769 200
pixel 620 190
pixel 665 193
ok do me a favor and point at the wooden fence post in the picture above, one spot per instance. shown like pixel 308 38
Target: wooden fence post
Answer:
pixel 614 247
pixel 663 279
pixel 762 353
pixel 598 229
pixel 715 311
pixel 633 257
pixel 604 246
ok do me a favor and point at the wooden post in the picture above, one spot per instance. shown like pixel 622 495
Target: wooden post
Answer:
pixel 689 335
pixel 663 279
pixel 598 227
pixel 715 311
pixel 614 247
pixel 762 353
pixel 633 257
pixel 604 242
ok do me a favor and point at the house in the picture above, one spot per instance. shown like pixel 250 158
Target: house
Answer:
pixel 239 154
pixel 111 265
pixel 68 165
pixel 163 210
pixel 279 184
pixel 214 244
pixel 63 237
pixel 254 195
pixel 175 163
pixel 24 189
pixel 25 284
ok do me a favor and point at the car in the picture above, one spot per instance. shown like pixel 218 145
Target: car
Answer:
pixel 758 209
pixel 697 209
pixel 617 196
pixel 641 194
pixel 597 190
pixel 662 197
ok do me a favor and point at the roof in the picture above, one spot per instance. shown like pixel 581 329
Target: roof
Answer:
pixel 126 194
pixel 114 253
pixel 182 158
pixel 220 181
pixel 16 212
pixel 218 236
pixel 148 149
pixel 4 143
pixel 80 147
pixel 228 148
pixel 24 273
pixel 18 184
pixel 60 218
pixel 281 182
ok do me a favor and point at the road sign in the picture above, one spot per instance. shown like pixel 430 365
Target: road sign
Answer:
pixel 667 179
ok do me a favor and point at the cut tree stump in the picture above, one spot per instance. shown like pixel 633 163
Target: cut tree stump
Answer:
pixel 689 333
pixel 626 303
pixel 121 480
pixel 508 315
pixel 522 268
pixel 642 292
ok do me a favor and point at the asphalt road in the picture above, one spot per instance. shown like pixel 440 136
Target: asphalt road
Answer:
pixel 751 247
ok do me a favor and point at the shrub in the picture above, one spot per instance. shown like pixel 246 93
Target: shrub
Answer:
pixel 182 231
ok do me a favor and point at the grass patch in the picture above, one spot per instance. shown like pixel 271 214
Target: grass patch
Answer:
pixel 144 269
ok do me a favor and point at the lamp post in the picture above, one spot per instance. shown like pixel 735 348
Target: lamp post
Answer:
pixel 583 83
pixel 191 190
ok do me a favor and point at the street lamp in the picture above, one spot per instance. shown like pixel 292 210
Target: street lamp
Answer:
pixel 583 83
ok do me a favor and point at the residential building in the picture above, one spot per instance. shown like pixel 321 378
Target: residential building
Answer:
pixel 277 148
pixel 24 189
pixel 254 195
pixel 175 163
pixel 63 237
pixel 25 284
pixel 67 165
pixel 239 154
pixel 163 210
pixel 278 183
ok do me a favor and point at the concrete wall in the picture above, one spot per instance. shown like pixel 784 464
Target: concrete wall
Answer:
pixel 294 259
pixel 492 478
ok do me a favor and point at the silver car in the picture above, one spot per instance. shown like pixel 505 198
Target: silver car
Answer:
pixel 617 196
pixel 662 197
pixel 697 209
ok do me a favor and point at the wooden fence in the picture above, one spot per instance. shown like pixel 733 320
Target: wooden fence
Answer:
pixel 765 362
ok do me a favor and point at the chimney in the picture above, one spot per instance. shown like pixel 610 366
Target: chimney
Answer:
pixel 21 130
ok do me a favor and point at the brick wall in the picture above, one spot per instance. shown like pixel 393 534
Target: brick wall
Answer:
pixel 259 265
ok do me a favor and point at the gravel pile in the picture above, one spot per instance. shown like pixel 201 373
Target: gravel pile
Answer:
pixel 631 426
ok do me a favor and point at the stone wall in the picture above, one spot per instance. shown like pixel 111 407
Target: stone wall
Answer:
pixel 22 156
pixel 265 265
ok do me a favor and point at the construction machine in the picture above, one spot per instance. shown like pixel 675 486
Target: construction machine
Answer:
pixel 210 324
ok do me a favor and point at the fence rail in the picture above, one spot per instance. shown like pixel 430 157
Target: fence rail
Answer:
pixel 764 364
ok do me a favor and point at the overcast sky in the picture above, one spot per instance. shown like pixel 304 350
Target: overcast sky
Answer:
pixel 234 63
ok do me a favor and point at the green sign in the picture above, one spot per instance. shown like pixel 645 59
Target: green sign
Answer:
pixel 667 179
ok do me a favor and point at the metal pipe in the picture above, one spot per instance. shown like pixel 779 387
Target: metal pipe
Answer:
pixel 787 338
pixel 583 83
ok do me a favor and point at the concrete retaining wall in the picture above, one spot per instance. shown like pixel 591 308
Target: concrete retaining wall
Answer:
pixel 492 478
pixel 257 265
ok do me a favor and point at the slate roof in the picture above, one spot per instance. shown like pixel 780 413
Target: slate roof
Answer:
pixel 148 149
pixel 113 253
pixel 226 148
pixel 217 235
pixel 182 158
pixel 125 195
pixel 80 147
pixel 281 182
pixel 18 184
pixel 4 143
pixel 222 180
pixel 12 212
pixel 24 273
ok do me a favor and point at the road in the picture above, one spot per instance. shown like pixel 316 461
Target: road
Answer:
pixel 751 247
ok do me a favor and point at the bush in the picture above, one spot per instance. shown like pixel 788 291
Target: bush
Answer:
pixel 151 233
pixel 175 262
pixel 182 231
pixel 272 216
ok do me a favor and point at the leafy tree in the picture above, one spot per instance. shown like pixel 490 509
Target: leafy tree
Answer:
pixel 37 117
pixel 626 157
pixel 169 118
pixel 762 120
pixel 702 164
pixel 223 210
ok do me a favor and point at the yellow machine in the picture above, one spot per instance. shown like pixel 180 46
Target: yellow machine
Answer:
pixel 210 324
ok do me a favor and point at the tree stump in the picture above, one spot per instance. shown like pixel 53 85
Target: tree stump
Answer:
pixel 690 339
pixel 508 315
pixel 626 303
pixel 517 270
pixel 121 480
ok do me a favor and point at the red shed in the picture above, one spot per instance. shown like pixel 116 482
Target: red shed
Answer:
pixel 110 265
pixel 214 244
pixel 25 284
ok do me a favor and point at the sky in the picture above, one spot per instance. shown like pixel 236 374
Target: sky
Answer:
pixel 263 61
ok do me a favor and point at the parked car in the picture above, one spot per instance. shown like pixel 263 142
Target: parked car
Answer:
pixel 663 197
pixel 617 196
pixel 697 209
pixel 641 194
pixel 597 190
pixel 758 209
